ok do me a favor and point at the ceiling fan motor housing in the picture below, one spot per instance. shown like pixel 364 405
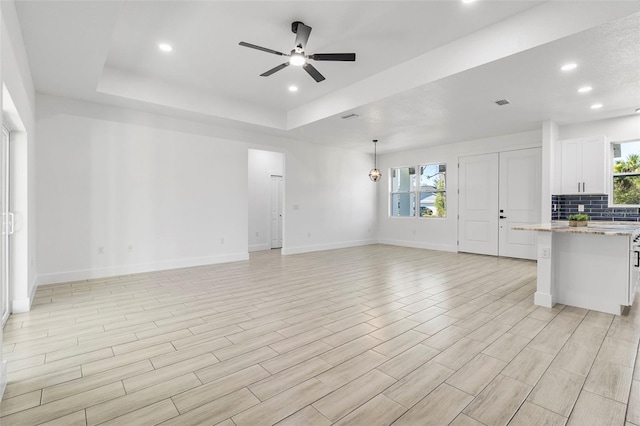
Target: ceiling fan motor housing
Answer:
pixel 294 26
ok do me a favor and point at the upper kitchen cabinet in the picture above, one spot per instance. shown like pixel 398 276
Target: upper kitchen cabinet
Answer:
pixel 584 166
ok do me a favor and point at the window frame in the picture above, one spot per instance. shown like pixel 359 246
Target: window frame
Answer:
pixel 611 175
pixel 417 190
pixel 410 192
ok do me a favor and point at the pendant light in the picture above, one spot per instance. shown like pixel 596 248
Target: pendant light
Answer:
pixel 375 174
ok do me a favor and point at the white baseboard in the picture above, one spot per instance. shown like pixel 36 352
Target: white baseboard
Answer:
pixel 543 299
pixel 87 274
pixel 3 378
pixel 259 247
pixel 24 305
pixel 419 245
pixel 321 247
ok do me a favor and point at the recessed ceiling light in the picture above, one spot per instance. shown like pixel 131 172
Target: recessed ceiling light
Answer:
pixel 596 106
pixel 585 89
pixel 165 47
pixel 293 88
pixel 569 67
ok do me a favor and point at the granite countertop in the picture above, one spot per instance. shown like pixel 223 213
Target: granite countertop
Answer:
pixel 596 228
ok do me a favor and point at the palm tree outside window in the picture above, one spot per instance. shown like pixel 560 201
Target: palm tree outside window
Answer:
pixel 626 174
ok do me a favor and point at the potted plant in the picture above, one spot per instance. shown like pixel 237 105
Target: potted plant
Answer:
pixel 578 219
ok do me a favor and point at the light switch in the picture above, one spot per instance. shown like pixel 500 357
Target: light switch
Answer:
pixel 580 207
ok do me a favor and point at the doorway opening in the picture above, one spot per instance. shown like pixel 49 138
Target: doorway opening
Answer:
pixel 266 200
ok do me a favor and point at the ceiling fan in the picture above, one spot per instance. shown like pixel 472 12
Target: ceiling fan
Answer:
pixel 297 57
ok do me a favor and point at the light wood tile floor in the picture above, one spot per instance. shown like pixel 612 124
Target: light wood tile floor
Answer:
pixel 372 335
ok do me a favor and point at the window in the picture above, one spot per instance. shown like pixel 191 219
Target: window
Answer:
pixel 433 200
pixel 625 182
pixel 423 195
pixel 403 187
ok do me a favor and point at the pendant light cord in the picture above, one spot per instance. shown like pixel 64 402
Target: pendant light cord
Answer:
pixel 375 154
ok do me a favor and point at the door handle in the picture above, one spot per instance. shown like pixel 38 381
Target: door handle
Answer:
pixel 502 217
pixel 578 186
pixel 583 187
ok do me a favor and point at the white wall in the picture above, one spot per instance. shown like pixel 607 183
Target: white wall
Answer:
pixel 172 189
pixel 615 129
pixel 330 201
pixel 107 181
pixel 262 165
pixel 437 233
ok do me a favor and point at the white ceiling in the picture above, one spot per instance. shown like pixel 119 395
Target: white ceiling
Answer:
pixel 427 72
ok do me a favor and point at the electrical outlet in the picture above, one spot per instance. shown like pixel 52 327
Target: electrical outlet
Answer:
pixel 581 208
pixel 546 252
pixel 257 234
pixel 130 248
pixel 221 240
pixel 100 250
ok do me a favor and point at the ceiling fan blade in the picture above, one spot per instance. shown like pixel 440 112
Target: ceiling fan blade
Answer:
pixel 333 56
pixel 264 49
pixel 302 35
pixel 274 70
pixel 313 72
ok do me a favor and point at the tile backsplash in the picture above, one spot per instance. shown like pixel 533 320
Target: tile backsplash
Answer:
pixel 594 205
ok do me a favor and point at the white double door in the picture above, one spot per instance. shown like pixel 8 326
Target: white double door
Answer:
pixel 497 192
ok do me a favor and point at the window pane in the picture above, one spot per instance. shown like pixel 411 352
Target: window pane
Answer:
pixel 403 179
pixel 433 204
pixel 626 162
pixel 626 189
pixel 432 177
pixel 403 205
pixel 626 158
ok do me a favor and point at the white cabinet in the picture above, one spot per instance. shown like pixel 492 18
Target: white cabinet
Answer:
pixel 584 166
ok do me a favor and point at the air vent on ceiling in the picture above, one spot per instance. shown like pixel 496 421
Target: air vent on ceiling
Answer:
pixel 502 102
pixel 349 116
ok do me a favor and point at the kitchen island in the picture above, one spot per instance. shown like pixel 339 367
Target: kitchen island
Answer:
pixel 594 267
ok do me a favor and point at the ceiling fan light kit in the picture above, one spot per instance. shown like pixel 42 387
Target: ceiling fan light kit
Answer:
pixel 297 57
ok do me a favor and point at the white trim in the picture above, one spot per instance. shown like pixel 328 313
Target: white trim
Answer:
pixel 543 299
pixel 259 247
pixel 24 305
pixel 85 274
pixel 322 247
pixel 3 378
pixel 419 245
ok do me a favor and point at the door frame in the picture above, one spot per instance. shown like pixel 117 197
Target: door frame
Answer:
pixel 7 226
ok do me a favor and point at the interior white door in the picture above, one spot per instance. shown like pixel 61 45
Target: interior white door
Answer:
pixel 519 201
pixel 478 204
pixel 276 211
pixel 7 226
